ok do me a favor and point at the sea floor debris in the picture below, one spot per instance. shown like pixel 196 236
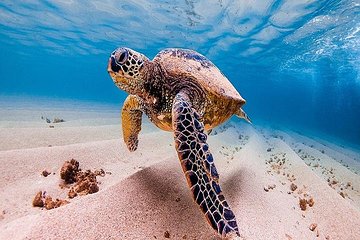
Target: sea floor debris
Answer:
pixel 80 183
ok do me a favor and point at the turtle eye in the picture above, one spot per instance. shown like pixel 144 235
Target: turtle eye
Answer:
pixel 121 57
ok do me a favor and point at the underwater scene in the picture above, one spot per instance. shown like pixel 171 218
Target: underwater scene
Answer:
pixel 183 119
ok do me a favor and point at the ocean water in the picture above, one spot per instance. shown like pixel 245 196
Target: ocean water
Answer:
pixel 296 63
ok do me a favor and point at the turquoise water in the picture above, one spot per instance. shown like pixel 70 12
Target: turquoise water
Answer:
pixel 295 62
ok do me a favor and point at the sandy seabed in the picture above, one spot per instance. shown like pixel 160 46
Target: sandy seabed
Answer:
pixel 264 174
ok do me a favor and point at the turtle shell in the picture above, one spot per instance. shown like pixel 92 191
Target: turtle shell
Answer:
pixel 178 62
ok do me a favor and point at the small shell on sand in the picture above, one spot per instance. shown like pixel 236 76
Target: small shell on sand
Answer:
pixel 310 202
pixel 312 226
pixel 302 203
pixel 293 186
pixel 45 173
pixel 100 172
pixel 269 187
pixel 166 234
pixel 288 237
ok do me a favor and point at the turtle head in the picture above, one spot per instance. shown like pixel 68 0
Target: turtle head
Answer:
pixel 126 68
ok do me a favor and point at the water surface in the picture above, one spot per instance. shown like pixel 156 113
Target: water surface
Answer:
pixel 296 62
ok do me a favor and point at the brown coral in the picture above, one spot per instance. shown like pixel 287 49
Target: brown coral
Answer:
pixel 61 202
pixel 50 203
pixel 69 171
pixel 38 201
pixel 86 183
pixel 72 193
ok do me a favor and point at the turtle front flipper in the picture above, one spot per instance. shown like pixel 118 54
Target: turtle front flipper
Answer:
pixel 131 115
pixel 198 166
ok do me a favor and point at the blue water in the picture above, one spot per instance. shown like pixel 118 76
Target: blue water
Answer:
pixel 296 63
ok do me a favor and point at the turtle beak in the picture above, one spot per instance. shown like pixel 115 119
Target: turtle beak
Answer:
pixel 110 71
pixel 113 69
pixel 115 72
pixel 109 66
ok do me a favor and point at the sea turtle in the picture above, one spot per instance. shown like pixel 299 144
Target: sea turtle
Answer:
pixel 180 90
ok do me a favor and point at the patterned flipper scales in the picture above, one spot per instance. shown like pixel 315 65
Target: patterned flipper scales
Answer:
pixel 198 166
pixel 131 121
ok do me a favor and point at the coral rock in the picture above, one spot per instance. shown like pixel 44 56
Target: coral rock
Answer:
pixel 72 193
pixel 69 170
pixel 93 188
pixel 86 182
pixel 86 186
pixel 49 203
pixel 38 201
pixel 58 120
pixel 60 202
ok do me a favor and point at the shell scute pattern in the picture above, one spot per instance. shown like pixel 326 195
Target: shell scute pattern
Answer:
pixel 211 89
pixel 187 54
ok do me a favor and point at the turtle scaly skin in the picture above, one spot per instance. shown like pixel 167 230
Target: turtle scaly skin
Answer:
pixel 181 91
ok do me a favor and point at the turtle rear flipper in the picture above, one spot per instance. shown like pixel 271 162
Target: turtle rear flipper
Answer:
pixel 131 115
pixel 198 166
pixel 241 114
